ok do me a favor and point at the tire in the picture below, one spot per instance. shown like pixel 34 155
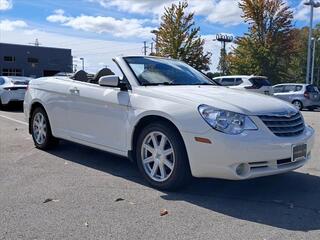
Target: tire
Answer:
pixel 2 106
pixel 42 138
pixel 172 164
pixel 298 104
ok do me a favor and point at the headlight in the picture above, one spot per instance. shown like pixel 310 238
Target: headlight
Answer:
pixel 226 121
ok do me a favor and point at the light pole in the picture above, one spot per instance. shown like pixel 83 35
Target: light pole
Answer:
pixel 82 60
pixel 312 5
pixel 313 58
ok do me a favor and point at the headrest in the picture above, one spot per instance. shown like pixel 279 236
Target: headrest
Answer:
pixel 80 76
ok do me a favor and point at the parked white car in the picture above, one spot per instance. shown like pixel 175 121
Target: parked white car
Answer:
pixel 252 83
pixel 12 89
pixel 170 119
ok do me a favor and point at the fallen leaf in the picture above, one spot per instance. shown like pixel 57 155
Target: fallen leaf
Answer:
pixel 163 212
pixel 119 200
pixel 51 200
pixel 291 206
pixel 86 224
pixel 132 203
pixel 16 129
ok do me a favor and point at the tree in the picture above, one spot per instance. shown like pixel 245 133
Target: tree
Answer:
pixel 212 75
pixel 268 47
pixel 298 66
pixel 178 38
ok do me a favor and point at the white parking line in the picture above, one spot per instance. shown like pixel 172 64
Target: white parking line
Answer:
pixel 14 120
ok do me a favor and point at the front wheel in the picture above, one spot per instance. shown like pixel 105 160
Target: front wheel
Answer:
pixel 41 130
pixel 298 104
pixel 162 158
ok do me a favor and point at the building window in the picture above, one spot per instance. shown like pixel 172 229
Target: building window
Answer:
pixel 11 72
pixel 33 60
pixel 9 58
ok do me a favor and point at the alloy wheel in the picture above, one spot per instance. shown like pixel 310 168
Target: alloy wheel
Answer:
pixel 157 156
pixel 39 128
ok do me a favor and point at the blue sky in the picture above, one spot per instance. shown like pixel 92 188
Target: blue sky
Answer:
pixel 94 27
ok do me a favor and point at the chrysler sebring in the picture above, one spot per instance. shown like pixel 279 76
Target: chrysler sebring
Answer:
pixel 171 120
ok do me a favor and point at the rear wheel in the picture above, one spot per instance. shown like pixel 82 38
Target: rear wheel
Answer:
pixel 298 104
pixel 161 157
pixel 41 130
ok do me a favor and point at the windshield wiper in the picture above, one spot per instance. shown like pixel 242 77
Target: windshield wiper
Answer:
pixel 204 84
pixel 162 83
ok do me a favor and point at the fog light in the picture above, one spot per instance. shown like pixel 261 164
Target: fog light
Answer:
pixel 243 169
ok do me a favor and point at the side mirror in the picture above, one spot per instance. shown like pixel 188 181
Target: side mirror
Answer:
pixel 109 81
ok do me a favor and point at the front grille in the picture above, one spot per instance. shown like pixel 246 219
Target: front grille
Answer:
pixel 284 126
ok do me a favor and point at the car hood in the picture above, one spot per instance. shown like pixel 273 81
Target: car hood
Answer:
pixel 222 98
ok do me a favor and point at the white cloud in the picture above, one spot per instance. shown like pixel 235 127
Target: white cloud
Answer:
pixel 7 25
pixel 58 17
pixel 225 12
pixel 121 28
pixel 136 6
pixel 5 5
pixel 302 13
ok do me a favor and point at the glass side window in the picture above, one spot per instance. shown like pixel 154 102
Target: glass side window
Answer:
pixel 298 88
pixel 289 88
pixel 1 81
pixel 278 89
pixel 238 81
pixel 227 81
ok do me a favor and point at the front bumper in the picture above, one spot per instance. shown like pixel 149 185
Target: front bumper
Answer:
pixel 260 151
pixel 12 96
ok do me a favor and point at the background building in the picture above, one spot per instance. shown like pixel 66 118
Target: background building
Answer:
pixel 33 61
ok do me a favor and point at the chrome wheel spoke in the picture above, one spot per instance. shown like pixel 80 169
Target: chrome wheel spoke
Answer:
pixel 168 164
pixel 154 169
pixel 154 141
pixel 149 148
pixel 168 151
pixel 162 171
pixel 148 160
pixel 157 156
pixel 163 142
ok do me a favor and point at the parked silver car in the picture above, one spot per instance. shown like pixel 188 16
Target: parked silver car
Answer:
pixel 300 95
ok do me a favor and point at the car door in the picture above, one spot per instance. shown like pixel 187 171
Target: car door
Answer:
pixel 280 93
pixel 55 94
pixel 98 115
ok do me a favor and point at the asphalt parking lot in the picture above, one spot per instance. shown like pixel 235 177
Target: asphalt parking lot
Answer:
pixel 75 192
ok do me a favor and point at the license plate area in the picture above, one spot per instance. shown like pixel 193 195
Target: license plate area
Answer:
pixel 299 152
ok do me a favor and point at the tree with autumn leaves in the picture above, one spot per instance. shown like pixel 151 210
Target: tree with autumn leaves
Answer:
pixel 269 45
pixel 179 38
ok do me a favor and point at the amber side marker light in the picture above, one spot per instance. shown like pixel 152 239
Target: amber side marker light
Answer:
pixel 202 140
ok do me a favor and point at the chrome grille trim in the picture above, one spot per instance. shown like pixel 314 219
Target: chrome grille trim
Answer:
pixel 285 126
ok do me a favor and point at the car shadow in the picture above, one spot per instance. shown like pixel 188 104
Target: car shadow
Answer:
pixel 289 201
pixel 13 107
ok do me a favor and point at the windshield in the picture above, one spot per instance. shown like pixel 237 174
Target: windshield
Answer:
pixel 158 71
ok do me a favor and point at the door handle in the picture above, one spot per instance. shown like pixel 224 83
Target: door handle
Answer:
pixel 74 91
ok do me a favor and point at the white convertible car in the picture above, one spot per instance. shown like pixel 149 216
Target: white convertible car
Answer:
pixel 172 120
